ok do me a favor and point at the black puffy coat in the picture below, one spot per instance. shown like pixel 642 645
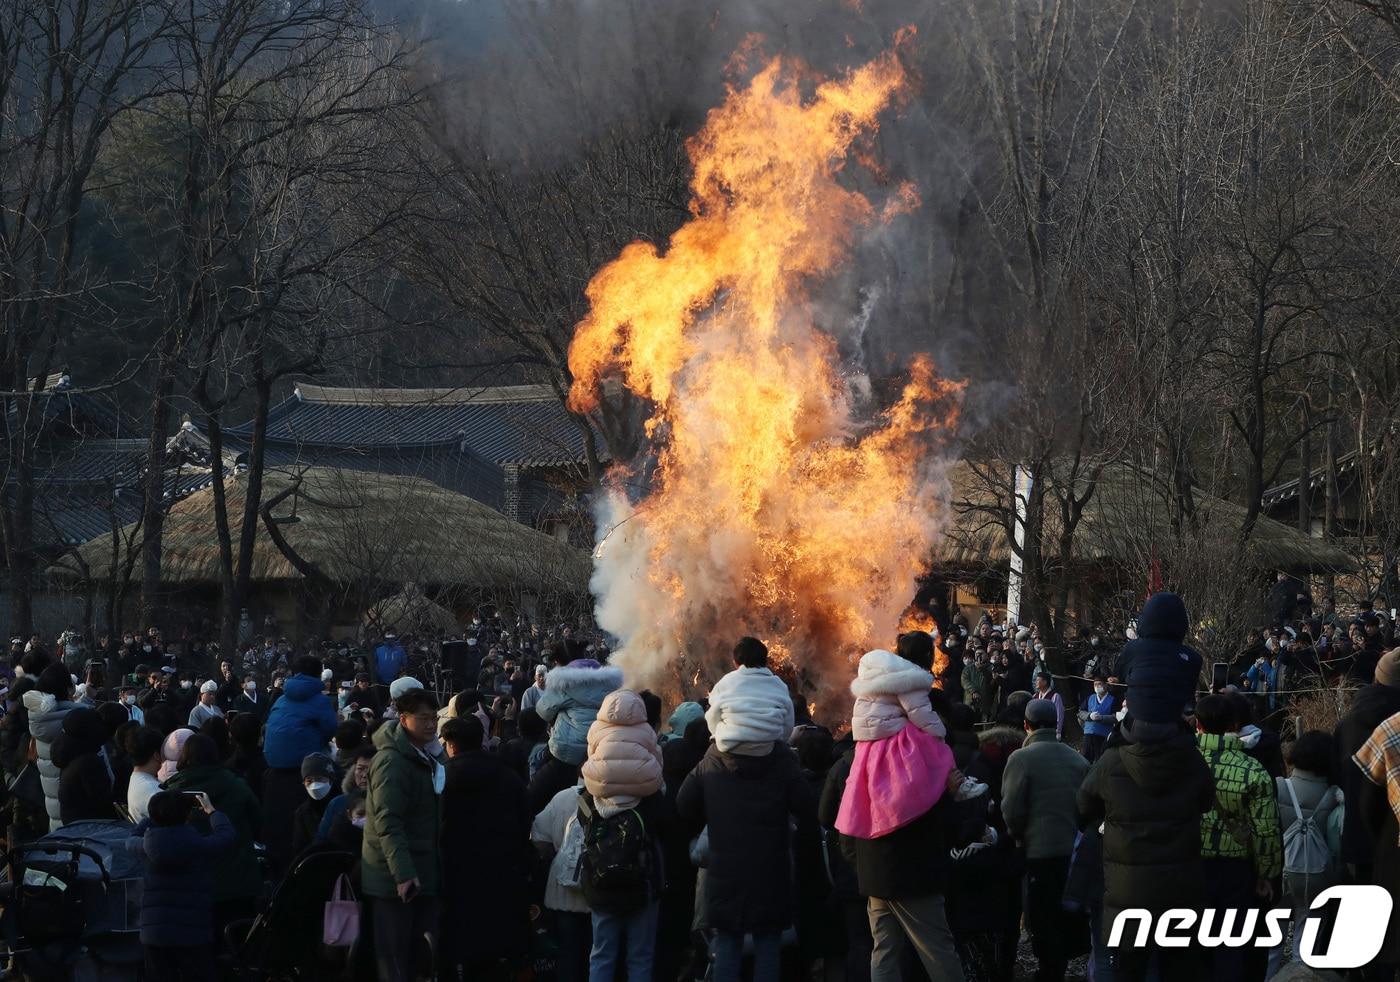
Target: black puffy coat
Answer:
pixel 177 895
pixel 1150 799
pixel 909 862
pixel 747 803
pixel 14 737
pixel 486 859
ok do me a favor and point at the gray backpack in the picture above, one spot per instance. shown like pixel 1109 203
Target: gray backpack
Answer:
pixel 1308 866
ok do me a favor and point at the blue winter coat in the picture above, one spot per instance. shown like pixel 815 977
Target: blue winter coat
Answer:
pixel 1161 671
pixel 178 891
pixel 388 662
pixel 1263 679
pixel 301 722
pixel 572 695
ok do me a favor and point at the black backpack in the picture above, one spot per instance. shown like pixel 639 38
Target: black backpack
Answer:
pixel 618 862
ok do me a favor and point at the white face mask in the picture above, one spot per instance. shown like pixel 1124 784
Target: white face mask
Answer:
pixel 129 700
pixel 186 684
pixel 358 821
pixel 145 647
pixel 318 789
pixel 251 687
pixel 1121 714
pixel 1099 690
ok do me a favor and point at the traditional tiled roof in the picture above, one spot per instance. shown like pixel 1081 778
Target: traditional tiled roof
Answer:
pixel 522 425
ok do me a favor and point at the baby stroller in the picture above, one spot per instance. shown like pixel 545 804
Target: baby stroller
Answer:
pixel 72 905
pixel 284 941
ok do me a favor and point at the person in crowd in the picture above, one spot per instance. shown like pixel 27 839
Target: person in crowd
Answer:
pixel 208 706
pixel 1370 706
pixel 1306 799
pixel 976 684
pixel 170 750
pixel 558 837
pixel 127 695
pixel 525 751
pixel 245 754
pixel 177 924
pixel 48 703
pixel 230 686
pixel 1258 743
pixel 237 878
pixel 621 773
pixel 349 737
pixel 85 787
pixel 352 787
pixel 390 659
pixel 891 693
pixel 14 729
pixel 678 897
pixel 1159 669
pixel 532 695
pixel 116 725
pixel 747 800
pixel 1045 691
pixel 904 875
pixel 1097 717
pixel 483 839
pixel 574 689
pixel 249 701
pixel 750 708
pixel 398 862
pixel 1241 849
pixel 1149 797
pixel 681 717
pixel 321 779
pixel 301 722
pixel 1039 788
pixel 143 746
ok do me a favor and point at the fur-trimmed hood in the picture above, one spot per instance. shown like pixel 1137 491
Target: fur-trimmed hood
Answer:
pixel 883 673
pixel 572 695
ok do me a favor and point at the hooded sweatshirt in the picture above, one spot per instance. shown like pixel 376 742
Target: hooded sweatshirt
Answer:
pixel 1161 671
pixel 624 761
pixel 572 695
pixel 750 710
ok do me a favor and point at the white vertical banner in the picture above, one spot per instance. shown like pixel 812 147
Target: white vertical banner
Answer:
pixel 1013 579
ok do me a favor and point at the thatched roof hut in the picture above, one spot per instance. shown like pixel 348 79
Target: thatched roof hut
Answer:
pixel 358 527
pixel 409 611
pixel 1127 519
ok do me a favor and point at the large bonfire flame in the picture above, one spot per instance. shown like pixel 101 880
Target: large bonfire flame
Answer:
pixel 771 510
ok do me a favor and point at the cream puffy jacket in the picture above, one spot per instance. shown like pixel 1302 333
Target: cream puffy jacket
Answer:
pixel 624 760
pixel 891 691
pixel 749 706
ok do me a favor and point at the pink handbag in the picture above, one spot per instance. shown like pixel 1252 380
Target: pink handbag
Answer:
pixel 341 925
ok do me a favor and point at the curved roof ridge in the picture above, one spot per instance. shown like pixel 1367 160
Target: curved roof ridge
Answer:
pixel 479 395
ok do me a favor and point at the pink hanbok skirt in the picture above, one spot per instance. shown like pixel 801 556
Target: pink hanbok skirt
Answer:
pixel 893 782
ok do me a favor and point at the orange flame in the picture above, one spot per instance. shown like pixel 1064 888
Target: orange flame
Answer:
pixel 771 510
pixel 916 618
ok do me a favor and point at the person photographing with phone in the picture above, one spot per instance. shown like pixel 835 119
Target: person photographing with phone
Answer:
pixel 399 865
pixel 177 922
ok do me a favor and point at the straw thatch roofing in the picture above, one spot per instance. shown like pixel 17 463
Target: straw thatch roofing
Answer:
pixel 410 612
pixel 359 527
pixel 1126 520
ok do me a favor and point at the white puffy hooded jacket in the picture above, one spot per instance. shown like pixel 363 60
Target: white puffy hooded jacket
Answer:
pixel 750 709
pixel 890 692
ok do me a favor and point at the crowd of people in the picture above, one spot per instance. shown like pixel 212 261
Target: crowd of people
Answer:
pixel 551 820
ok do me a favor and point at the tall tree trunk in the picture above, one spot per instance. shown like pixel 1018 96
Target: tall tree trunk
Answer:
pixel 231 601
pixel 153 506
pixel 1305 468
pixel 252 496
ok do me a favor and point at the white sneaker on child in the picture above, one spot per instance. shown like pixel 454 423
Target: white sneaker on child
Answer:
pixel 969 789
